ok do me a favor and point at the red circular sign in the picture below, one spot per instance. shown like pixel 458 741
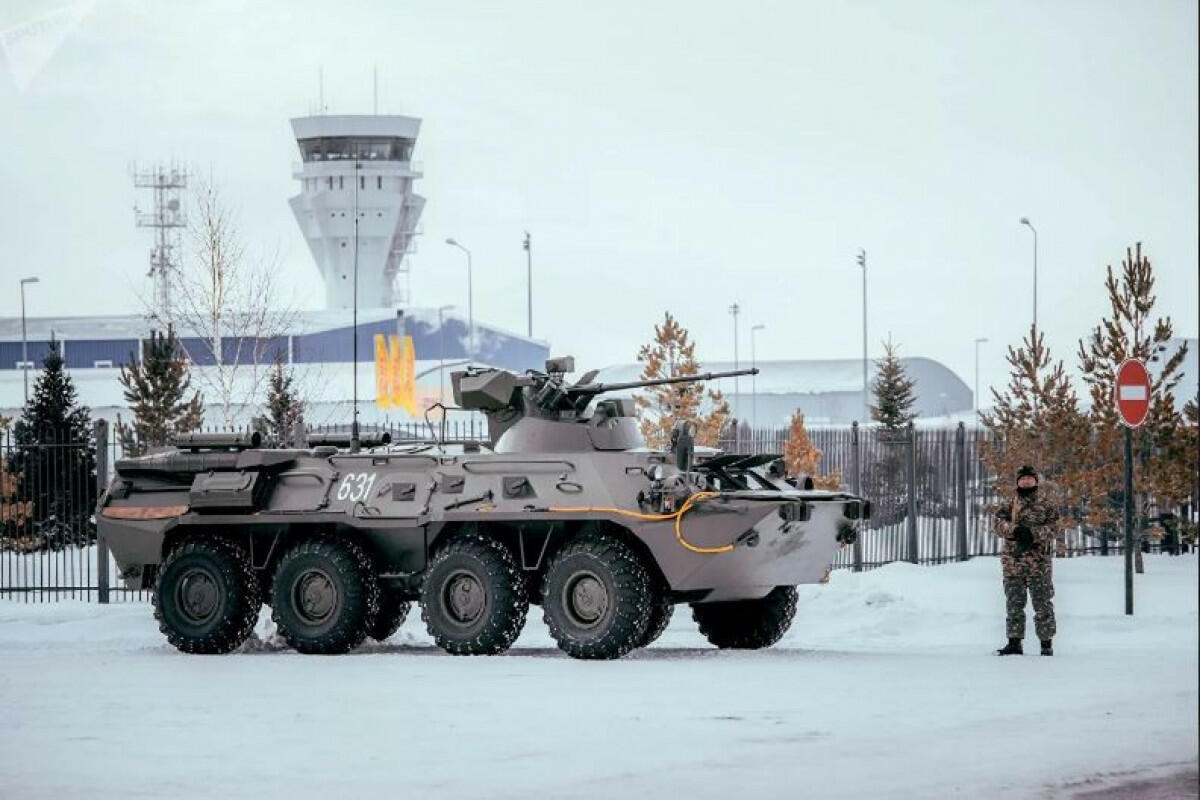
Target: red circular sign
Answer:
pixel 1132 392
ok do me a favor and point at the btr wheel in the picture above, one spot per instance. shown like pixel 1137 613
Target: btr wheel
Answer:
pixel 596 597
pixel 473 598
pixel 747 624
pixel 206 597
pixel 392 612
pixel 661 611
pixel 325 595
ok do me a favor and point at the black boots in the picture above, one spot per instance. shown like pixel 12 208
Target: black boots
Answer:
pixel 1013 648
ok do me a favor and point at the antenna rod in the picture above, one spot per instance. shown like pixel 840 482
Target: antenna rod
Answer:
pixel 354 425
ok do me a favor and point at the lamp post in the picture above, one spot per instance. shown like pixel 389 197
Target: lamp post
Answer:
pixel 24 338
pixel 862 262
pixel 735 309
pixel 754 377
pixel 978 342
pixel 528 244
pixel 442 353
pixel 1025 221
pixel 470 300
pixel 354 431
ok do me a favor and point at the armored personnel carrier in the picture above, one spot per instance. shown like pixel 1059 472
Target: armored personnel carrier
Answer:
pixel 564 507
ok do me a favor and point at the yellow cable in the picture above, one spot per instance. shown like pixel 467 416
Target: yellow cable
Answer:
pixel 677 517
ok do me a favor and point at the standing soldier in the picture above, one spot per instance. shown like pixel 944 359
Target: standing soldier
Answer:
pixel 1027 525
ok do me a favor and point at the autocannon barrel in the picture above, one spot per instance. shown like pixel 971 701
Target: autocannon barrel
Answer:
pixel 600 388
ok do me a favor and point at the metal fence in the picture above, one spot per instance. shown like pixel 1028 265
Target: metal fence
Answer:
pixel 931 494
pixel 49 484
pixel 930 491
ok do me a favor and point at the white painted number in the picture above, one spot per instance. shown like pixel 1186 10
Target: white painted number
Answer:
pixel 356 486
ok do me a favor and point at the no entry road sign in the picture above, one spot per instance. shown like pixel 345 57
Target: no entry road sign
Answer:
pixel 1133 392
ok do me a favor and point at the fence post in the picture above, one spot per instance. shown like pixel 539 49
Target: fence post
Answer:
pixel 912 494
pixel 299 436
pixel 856 487
pixel 960 453
pixel 102 578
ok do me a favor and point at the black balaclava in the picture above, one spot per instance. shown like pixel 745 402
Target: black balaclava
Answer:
pixel 1025 471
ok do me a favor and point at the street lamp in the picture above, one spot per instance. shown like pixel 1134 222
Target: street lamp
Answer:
pixel 978 342
pixel 24 338
pixel 754 377
pixel 470 299
pixel 1025 221
pixel 528 245
pixel 442 353
pixel 735 309
pixel 862 262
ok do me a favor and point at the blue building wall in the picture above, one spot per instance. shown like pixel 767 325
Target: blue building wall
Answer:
pixel 84 354
pixel 10 353
pixel 328 346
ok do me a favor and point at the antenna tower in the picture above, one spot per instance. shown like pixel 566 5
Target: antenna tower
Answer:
pixel 166 219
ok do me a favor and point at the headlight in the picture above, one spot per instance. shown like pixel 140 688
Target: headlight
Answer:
pixel 656 472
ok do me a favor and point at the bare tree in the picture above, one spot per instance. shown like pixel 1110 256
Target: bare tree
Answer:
pixel 228 306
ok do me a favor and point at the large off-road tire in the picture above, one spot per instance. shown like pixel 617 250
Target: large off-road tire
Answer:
pixel 325 595
pixel 473 598
pixel 747 624
pixel 392 612
pixel 596 597
pixel 206 597
pixel 661 611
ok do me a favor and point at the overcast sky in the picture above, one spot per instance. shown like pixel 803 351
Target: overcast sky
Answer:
pixel 676 156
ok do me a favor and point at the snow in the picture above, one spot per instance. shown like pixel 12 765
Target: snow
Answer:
pixel 885 687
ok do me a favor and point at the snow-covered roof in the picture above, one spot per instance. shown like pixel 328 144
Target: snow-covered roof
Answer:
pixel 816 376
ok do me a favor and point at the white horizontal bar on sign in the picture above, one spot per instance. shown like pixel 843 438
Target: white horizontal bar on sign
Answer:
pixel 1137 392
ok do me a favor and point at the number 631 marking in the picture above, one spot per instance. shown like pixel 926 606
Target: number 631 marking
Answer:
pixel 356 486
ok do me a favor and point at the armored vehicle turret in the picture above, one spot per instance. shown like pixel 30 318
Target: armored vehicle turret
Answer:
pixel 564 506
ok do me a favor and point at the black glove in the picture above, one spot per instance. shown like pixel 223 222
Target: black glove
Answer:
pixel 1024 538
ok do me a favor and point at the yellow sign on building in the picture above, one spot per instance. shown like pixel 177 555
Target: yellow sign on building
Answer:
pixel 395 373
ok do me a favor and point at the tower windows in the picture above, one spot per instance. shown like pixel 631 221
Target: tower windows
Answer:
pixel 331 182
pixel 341 181
pixel 378 181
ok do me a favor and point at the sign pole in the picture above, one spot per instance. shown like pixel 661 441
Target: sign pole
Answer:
pixel 1128 520
pixel 1131 392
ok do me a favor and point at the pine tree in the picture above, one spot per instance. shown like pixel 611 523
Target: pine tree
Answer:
pixel 1161 444
pixel 13 509
pixel 893 391
pixel 285 409
pixel 672 354
pixel 802 457
pixel 55 456
pixel 1036 420
pixel 156 389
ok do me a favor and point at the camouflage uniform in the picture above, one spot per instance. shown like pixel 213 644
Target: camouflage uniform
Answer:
pixel 1028 565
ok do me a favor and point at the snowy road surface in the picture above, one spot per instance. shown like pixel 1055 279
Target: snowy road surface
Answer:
pixel 885 687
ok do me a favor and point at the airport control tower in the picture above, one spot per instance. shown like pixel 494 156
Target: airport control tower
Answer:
pixel 358 164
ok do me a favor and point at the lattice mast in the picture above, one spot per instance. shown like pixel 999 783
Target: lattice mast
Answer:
pixel 168 217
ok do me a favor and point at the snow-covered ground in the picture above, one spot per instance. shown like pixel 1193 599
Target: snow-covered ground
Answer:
pixel 885 687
